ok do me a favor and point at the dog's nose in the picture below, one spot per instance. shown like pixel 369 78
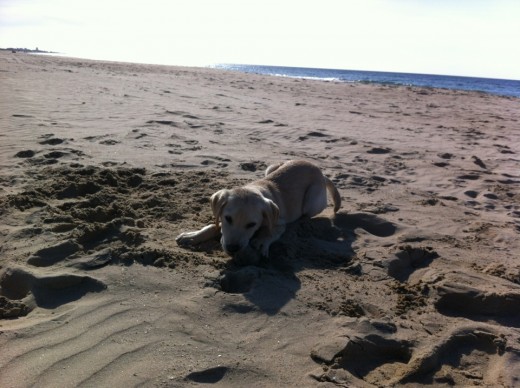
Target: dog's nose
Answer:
pixel 232 248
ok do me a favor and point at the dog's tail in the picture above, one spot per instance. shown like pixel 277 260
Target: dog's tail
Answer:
pixel 334 194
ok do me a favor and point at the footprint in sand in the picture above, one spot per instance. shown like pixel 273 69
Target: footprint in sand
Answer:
pixel 221 375
pixel 25 154
pixel 52 141
pixel 471 193
pixel 49 157
pixel 479 162
pixel 446 155
pixel 466 355
pixel 55 155
pixel 95 138
pixel 208 376
pixel 109 142
pixel 379 150
pixel 372 356
pixel 268 121
pixel 253 166
pixel 49 139
pixel 21 116
pixel 504 149
pixel 366 353
pixel 408 259
pixel 216 161
pixel 313 134
pixel 465 295
pixel 47 291
pixel 470 177
pixel 49 256
pixel 164 122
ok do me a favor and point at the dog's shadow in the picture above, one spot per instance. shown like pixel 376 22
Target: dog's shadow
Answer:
pixel 318 243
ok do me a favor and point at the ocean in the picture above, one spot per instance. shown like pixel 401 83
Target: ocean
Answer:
pixel 499 87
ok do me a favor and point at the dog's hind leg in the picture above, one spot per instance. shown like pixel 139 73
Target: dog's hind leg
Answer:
pixel 315 200
pixel 272 167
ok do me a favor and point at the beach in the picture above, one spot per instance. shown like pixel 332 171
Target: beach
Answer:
pixel 415 281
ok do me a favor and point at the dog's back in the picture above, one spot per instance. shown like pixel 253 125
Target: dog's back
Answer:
pixel 299 188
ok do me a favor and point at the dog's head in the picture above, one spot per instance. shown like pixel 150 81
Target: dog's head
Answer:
pixel 241 213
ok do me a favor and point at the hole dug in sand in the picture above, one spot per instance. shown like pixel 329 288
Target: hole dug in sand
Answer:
pixel 240 281
pixel 265 290
pixel 307 247
pixel 18 286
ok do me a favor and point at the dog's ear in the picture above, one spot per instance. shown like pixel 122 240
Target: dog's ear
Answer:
pixel 218 201
pixel 270 213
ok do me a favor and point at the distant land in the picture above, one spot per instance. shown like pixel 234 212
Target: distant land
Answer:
pixel 26 50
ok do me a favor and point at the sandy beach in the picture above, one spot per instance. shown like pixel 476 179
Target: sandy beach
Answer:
pixel 416 281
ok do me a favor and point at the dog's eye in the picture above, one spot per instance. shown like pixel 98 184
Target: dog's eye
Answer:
pixel 229 220
pixel 250 225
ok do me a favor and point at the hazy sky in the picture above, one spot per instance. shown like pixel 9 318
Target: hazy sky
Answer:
pixel 458 37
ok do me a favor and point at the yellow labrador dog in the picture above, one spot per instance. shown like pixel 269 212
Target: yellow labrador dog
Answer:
pixel 257 213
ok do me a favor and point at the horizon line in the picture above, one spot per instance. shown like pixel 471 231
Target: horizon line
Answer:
pixel 213 65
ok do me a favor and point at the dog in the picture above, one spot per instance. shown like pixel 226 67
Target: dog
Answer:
pixel 256 214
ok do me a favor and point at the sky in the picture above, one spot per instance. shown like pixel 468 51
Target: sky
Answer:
pixel 453 37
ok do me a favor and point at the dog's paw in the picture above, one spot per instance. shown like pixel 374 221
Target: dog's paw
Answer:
pixel 199 236
pixel 261 245
pixel 185 239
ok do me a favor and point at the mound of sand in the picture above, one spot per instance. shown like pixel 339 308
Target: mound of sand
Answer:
pixel 415 281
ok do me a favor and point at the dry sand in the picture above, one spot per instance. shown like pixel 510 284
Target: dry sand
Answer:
pixel 416 281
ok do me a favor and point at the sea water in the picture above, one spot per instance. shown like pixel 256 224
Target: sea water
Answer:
pixel 501 87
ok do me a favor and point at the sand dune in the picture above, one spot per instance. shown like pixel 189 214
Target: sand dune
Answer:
pixel 416 281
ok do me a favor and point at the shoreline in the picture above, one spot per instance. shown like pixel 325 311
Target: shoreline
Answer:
pixel 493 86
pixel 361 73
pixel 416 281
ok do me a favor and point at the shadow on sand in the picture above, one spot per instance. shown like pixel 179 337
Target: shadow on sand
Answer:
pixel 316 243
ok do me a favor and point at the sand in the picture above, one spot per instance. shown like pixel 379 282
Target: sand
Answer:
pixel 415 281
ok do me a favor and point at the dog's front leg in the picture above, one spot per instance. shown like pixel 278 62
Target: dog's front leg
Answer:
pixel 263 241
pixel 192 238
